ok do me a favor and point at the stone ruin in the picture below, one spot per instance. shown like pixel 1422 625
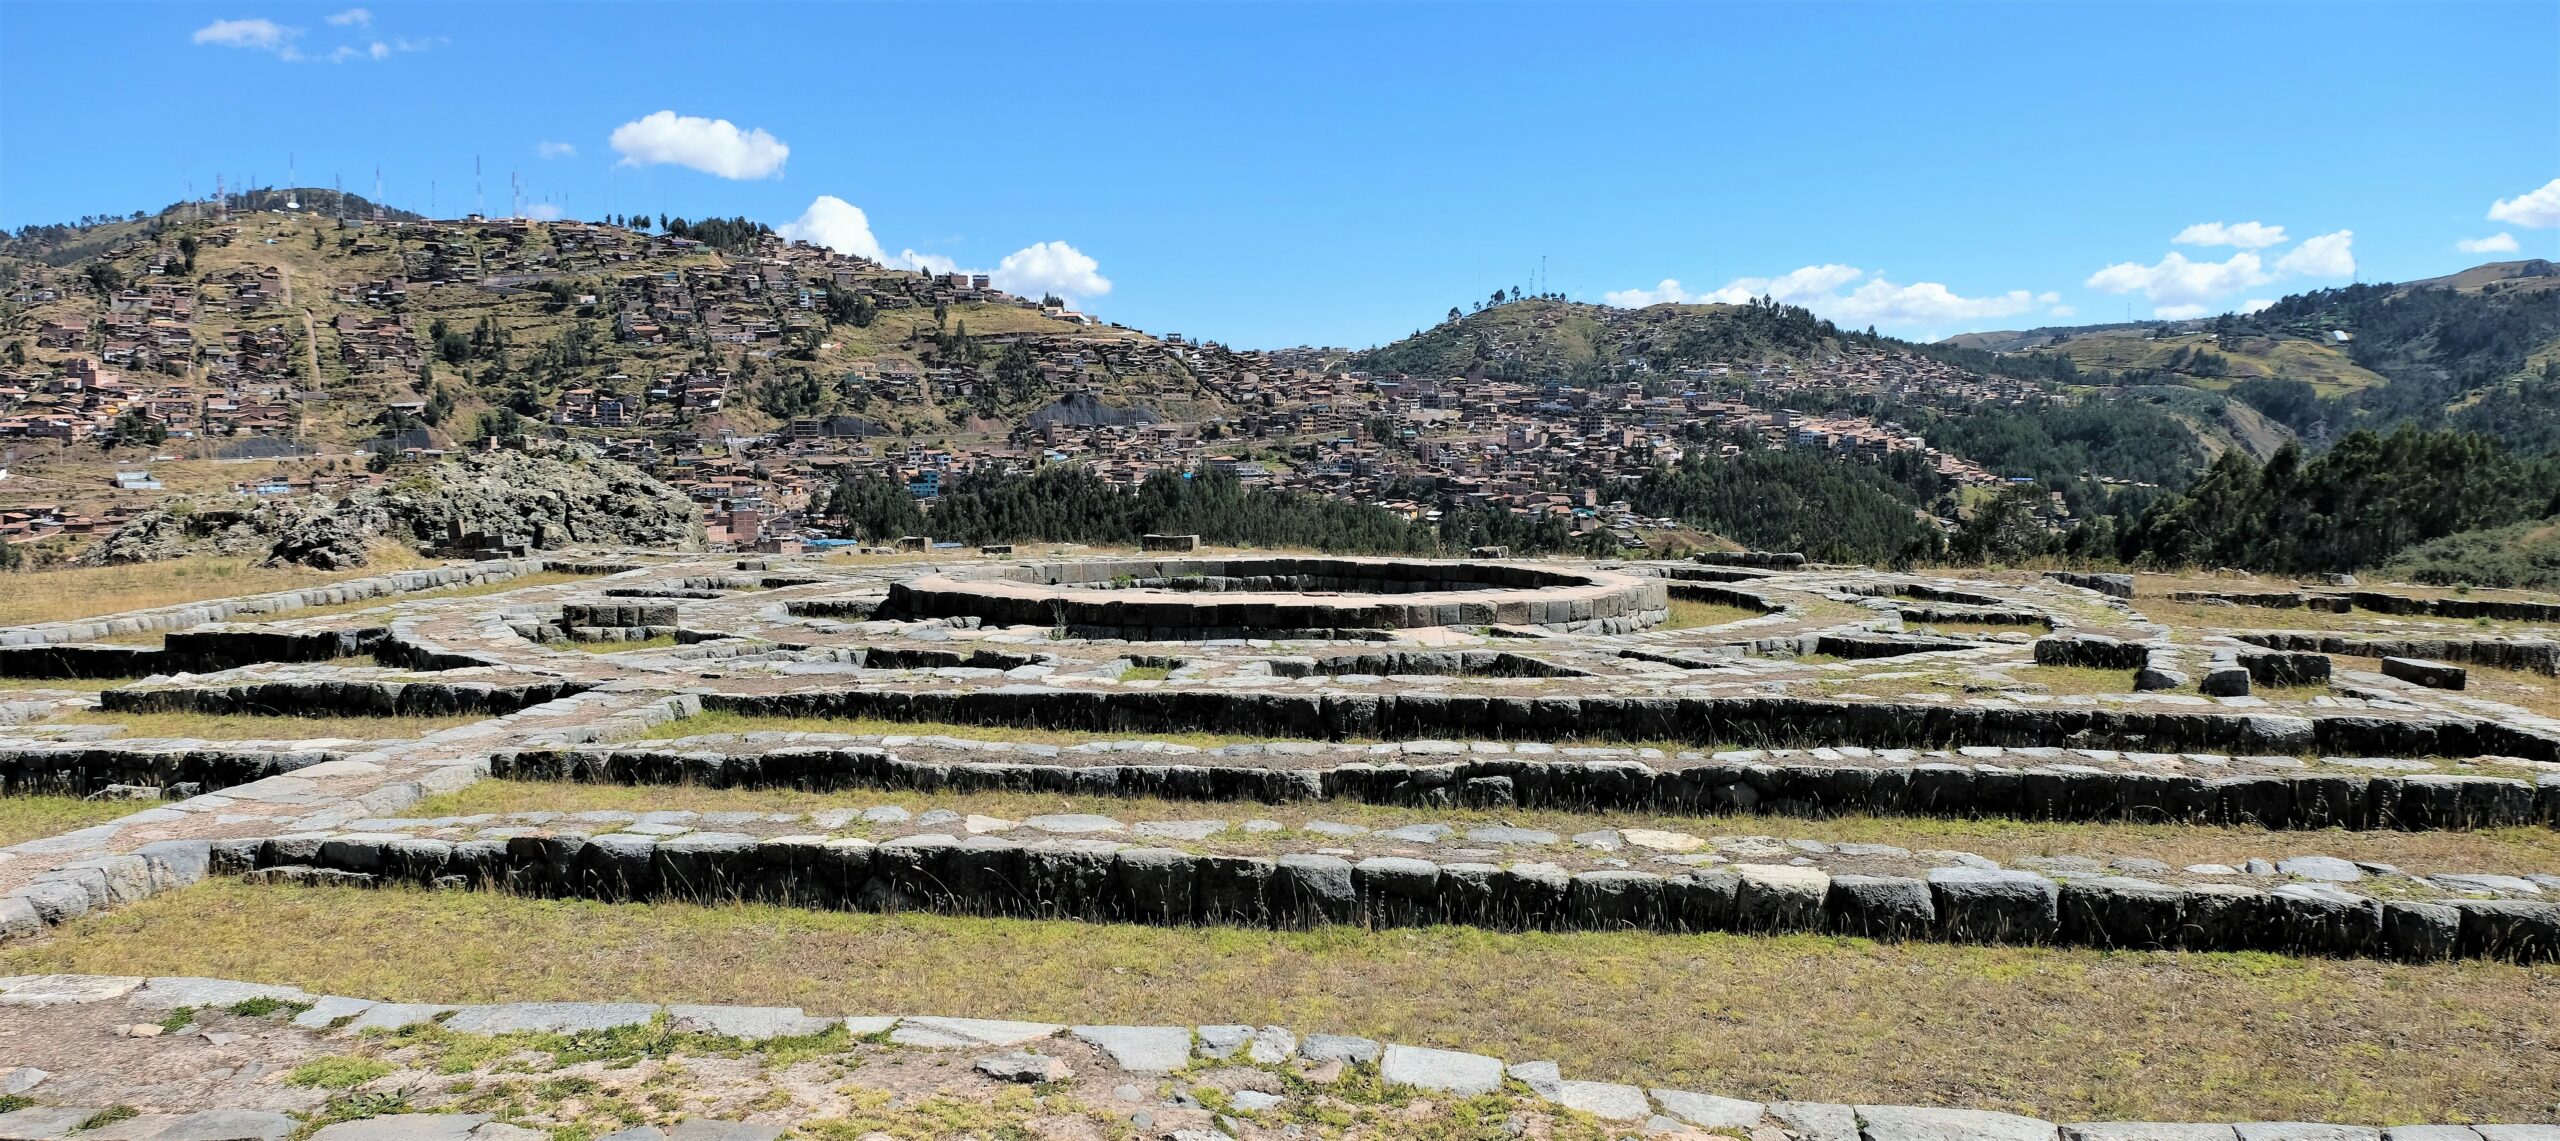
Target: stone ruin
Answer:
pixel 1416 685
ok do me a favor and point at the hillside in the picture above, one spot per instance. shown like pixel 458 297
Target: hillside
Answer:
pixel 2473 349
pixel 1547 338
pixel 266 332
pixel 517 313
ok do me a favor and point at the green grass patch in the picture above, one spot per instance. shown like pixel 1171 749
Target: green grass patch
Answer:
pixel 1688 614
pixel 719 721
pixel 2079 681
pixel 660 642
pixel 241 726
pixel 336 1072
pixel 2001 839
pixel 24 818
pixel 1146 673
pixel 2063 1034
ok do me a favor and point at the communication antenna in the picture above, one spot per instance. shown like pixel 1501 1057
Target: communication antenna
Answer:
pixel 479 199
pixel 515 193
pixel 221 200
pixel 338 186
pixel 292 179
pixel 377 194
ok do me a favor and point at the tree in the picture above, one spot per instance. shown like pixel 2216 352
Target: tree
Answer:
pixel 187 251
pixel 2004 529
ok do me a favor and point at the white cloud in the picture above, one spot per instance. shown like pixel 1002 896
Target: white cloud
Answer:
pixel 352 17
pixel 344 52
pixel 923 263
pixel 542 212
pixel 2246 235
pixel 1795 287
pixel 2179 312
pixel 1876 301
pixel 1050 267
pixel 2254 304
pixel 1669 290
pixel 1881 302
pixel 555 150
pixel 712 146
pixel 259 35
pixel 836 224
pixel 2537 209
pixel 1043 267
pixel 2177 282
pixel 2328 255
pixel 2497 243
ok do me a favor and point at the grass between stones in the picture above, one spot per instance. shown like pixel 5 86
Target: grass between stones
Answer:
pixel 467 590
pixel 2511 850
pixel 261 726
pixel 723 721
pixel 2069 1035
pixel 2520 688
pixel 2074 680
pixel 660 642
pixel 1687 614
pixel 29 597
pixel 24 818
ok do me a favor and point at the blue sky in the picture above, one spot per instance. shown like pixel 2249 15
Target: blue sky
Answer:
pixel 1270 174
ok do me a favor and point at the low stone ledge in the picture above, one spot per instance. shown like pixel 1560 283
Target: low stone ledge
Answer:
pixel 2415 802
pixel 1102 881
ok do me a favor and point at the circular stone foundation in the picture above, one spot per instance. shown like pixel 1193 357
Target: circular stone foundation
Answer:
pixel 1279 596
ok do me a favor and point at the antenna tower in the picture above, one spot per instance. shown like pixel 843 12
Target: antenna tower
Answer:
pixel 338 186
pixel 377 194
pixel 479 199
pixel 221 200
pixel 515 194
pixel 292 181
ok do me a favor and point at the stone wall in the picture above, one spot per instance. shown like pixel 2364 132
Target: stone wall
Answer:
pixel 350 698
pixel 2411 802
pixel 83 769
pixel 2536 655
pixel 1101 881
pixel 217 610
pixel 201 650
pixel 1748 721
pixel 2111 585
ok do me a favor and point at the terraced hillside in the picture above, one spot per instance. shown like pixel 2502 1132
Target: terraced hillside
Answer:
pixel 1268 847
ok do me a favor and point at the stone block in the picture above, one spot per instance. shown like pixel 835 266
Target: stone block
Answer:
pixel 2419 671
pixel 1444 1071
pixel 1920 1123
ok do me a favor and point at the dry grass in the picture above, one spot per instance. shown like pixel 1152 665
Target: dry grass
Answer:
pixel 2537 692
pixel 469 590
pixel 2064 1034
pixel 24 818
pixel 245 726
pixel 723 721
pixel 660 642
pixel 1688 614
pixel 86 592
pixel 2500 849
pixel 2192 618
pixel 2074 680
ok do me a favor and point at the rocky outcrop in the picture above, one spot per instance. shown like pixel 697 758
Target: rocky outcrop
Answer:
pixel 499 499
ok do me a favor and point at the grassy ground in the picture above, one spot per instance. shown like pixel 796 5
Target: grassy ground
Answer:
pixel 470 590
pixel 86 592
pixel 24 818
pixel 1687 614
pixel 2508 849
pixel 661 642
pixel 237 726
pixel 722 721
pixel 2070 1035
pixel 2189 617
pixel 1976 629
pixel 2533 691
pixel 2077 680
